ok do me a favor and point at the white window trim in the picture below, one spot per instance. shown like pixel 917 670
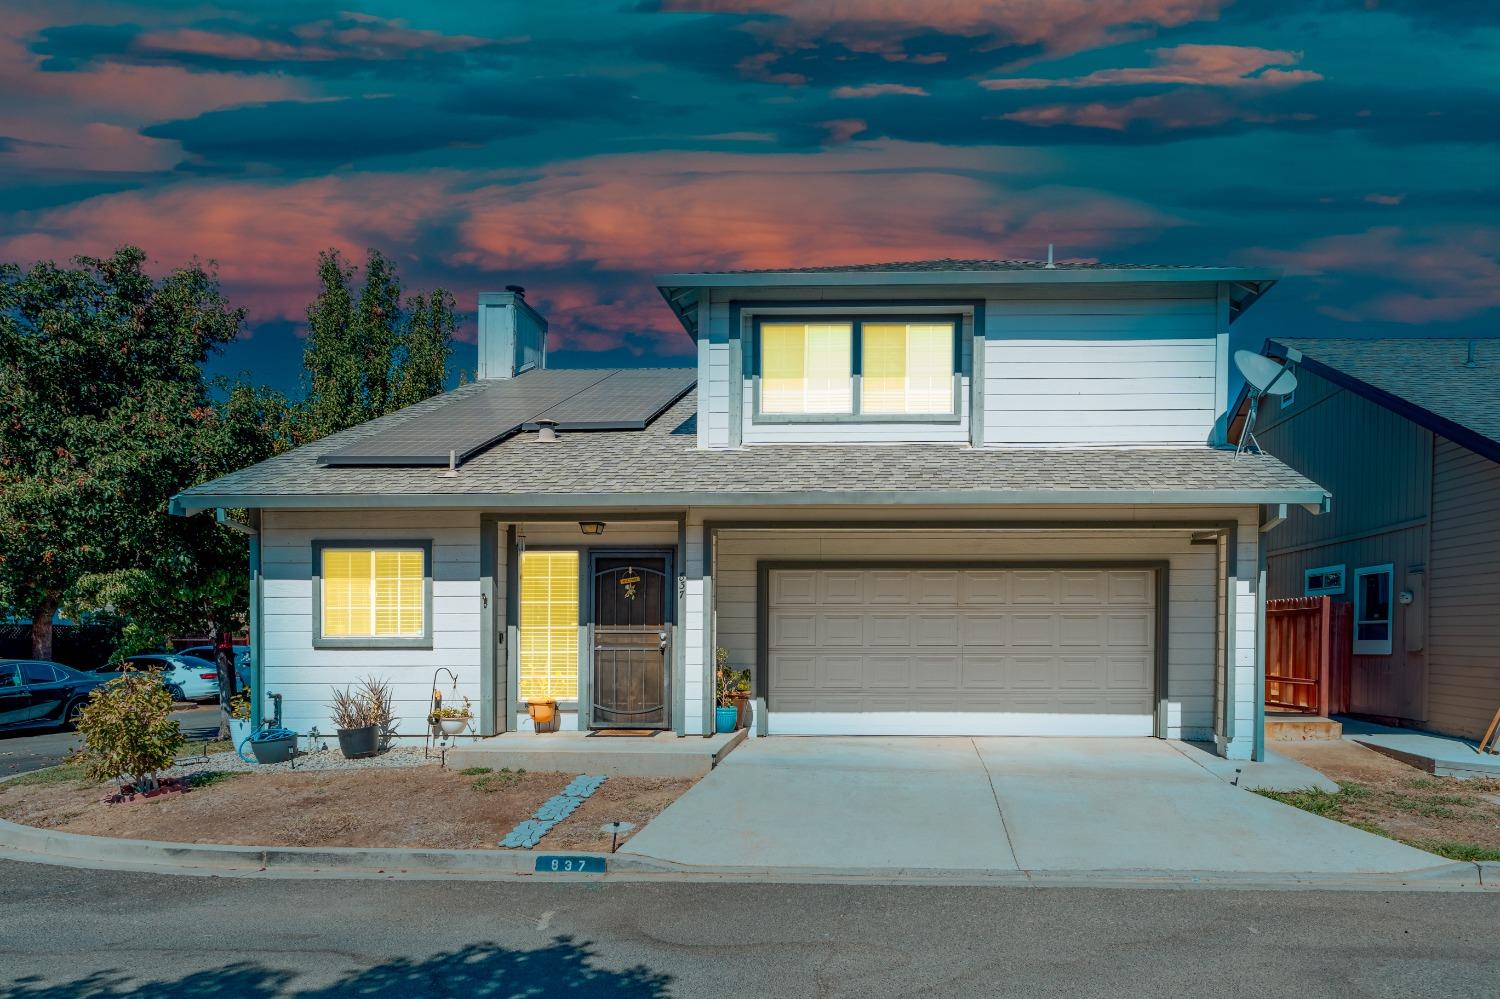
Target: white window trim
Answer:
pixel 1310 591
pixel 1369 647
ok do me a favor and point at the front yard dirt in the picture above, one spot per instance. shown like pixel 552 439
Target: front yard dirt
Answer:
pixel 422 806
pixel 1459 819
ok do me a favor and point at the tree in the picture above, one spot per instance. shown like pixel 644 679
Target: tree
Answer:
pixel 102 397
pixel 369 356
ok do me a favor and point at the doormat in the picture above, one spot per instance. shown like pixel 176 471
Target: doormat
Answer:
pixel 622 733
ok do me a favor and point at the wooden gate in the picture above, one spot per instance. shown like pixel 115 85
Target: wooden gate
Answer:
pixel 1308 651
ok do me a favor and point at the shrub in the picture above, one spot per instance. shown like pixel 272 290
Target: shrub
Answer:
pixel 128 730
pixel 369 704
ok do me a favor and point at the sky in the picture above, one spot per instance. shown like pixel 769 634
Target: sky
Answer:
pixel 578 149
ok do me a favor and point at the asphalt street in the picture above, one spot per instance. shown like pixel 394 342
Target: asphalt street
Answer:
pixel 22 751
pixel 108 934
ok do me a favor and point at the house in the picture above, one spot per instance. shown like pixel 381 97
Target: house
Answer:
pixel 949 497
pixel 1406 434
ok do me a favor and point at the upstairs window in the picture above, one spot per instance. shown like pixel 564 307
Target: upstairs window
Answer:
pixel 1373 612
pixel 858 369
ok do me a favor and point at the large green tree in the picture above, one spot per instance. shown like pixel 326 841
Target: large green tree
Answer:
pixel 369 354
pixel 102 405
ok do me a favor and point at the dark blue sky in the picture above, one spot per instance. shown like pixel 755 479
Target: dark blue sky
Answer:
pixel 579 148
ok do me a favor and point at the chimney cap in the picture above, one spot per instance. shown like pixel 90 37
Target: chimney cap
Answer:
pixel 519 291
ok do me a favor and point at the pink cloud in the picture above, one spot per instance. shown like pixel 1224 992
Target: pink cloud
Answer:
pixel 622 218
pixel 1165 111
pixel 351 36
pixel 879 90
pixel 1193 65
pixel 1439 274
pixel 1385 199
pixel 883 26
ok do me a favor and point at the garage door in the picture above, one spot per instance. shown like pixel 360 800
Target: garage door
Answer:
pixel 896 651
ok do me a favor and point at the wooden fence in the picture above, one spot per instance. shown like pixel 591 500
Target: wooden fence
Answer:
pixel 1308 650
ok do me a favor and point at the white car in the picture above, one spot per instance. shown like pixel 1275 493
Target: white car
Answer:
pixel 187 678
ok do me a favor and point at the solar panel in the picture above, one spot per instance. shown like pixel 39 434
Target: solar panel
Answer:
pixel 596 399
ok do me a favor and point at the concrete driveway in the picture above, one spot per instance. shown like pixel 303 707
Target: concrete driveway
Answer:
pixel 1011 804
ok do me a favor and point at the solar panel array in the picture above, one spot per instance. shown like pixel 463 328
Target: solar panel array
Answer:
pixel 595 399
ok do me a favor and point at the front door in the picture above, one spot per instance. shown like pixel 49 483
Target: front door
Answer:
pixel 632 638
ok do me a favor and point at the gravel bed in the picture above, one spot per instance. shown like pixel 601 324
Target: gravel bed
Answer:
pixel 321 759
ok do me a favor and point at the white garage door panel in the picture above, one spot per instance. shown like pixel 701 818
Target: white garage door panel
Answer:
pixel 965 651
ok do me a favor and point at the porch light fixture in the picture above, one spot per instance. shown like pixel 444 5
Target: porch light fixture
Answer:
pixel 591 526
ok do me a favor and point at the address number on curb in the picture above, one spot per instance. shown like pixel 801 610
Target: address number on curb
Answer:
pixel 555 864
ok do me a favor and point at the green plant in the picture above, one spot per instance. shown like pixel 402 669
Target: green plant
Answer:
pixel 1309 799
pixel 239 705
pixel 728 681
pixel 208 778
pixel 63 773
pixel 489 782
pixel 128 730
pixel 474 771
pixel 445 711
pixel 1454 850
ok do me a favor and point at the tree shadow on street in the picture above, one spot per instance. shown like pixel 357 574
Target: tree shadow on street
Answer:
pixel 483 970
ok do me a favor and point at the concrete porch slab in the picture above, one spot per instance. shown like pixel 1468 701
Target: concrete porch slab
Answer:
pixel 1441 755
pixel 661 755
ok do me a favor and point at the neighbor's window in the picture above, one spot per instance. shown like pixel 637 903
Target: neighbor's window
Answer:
pixel 549 625
pixel 857 368
pixel 373 593
pixel 908 368
pixel 1373 610
pixel 1326 580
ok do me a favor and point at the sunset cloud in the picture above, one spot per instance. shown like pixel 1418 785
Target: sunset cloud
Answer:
pixel 1190 65
pixel 879 90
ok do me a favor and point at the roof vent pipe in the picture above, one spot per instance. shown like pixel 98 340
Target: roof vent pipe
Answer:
pixel 1050 265
pixel 1471 363
pixel 546 430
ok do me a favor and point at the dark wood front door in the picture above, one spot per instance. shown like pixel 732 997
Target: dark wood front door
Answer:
pixel 632 639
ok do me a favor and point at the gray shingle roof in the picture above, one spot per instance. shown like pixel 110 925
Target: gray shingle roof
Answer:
pixel 662 466
pixel 1427 373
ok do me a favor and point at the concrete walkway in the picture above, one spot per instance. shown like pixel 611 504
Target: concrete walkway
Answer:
pixel 1443 755
pixel 1014 804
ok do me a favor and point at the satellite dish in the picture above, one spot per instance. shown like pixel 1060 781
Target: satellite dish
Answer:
pixel 1266 376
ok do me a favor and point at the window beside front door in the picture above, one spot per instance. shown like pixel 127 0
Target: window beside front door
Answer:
pixel 372 595
pixel 1373 610
pixel 549 625
pixel 872 369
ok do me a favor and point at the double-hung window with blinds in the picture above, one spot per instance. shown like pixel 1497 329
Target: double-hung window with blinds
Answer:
pixel 856 368
pixel 373 593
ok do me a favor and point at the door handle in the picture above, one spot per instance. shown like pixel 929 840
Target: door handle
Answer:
pixel 663 635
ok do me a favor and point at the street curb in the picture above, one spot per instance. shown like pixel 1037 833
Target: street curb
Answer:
pixel 28 843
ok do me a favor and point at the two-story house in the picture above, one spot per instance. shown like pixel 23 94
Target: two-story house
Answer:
pixel 950 497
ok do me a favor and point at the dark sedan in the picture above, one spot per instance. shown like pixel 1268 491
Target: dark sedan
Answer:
pixel 37 694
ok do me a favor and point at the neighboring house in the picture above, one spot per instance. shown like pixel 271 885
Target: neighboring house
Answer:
pixel 1406 435
pixel 953 497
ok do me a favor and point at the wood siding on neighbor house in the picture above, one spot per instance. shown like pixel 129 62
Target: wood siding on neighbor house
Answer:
pixel 1464 633
pixel 1378 466
pixel 1061 366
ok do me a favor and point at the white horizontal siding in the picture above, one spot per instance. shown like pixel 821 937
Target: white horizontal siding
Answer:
pixel 305 676
pixel 1097 371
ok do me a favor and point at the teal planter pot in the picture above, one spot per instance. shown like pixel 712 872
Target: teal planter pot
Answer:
pixel 725 719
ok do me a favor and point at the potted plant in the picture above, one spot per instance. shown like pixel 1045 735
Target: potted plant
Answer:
pixel 543 713
pixel 733 693
pixel 273 745
pixel 452 720
pixel 358 728
pixel 239 719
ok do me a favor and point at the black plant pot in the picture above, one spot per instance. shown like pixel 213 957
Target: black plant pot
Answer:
pixel 357 742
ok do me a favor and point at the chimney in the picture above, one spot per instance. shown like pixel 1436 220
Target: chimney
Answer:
pixel 512 335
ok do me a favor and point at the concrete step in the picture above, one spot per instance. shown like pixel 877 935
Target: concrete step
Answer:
pixel 1302 728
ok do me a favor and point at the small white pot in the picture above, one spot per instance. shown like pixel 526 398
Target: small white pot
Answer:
pixel 453 726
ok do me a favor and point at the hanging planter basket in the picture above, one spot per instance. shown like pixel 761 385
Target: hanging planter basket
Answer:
pixel 453 726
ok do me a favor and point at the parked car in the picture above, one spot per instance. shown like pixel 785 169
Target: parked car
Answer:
pixel 39 694
pixel 187 678
pixel 241 658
